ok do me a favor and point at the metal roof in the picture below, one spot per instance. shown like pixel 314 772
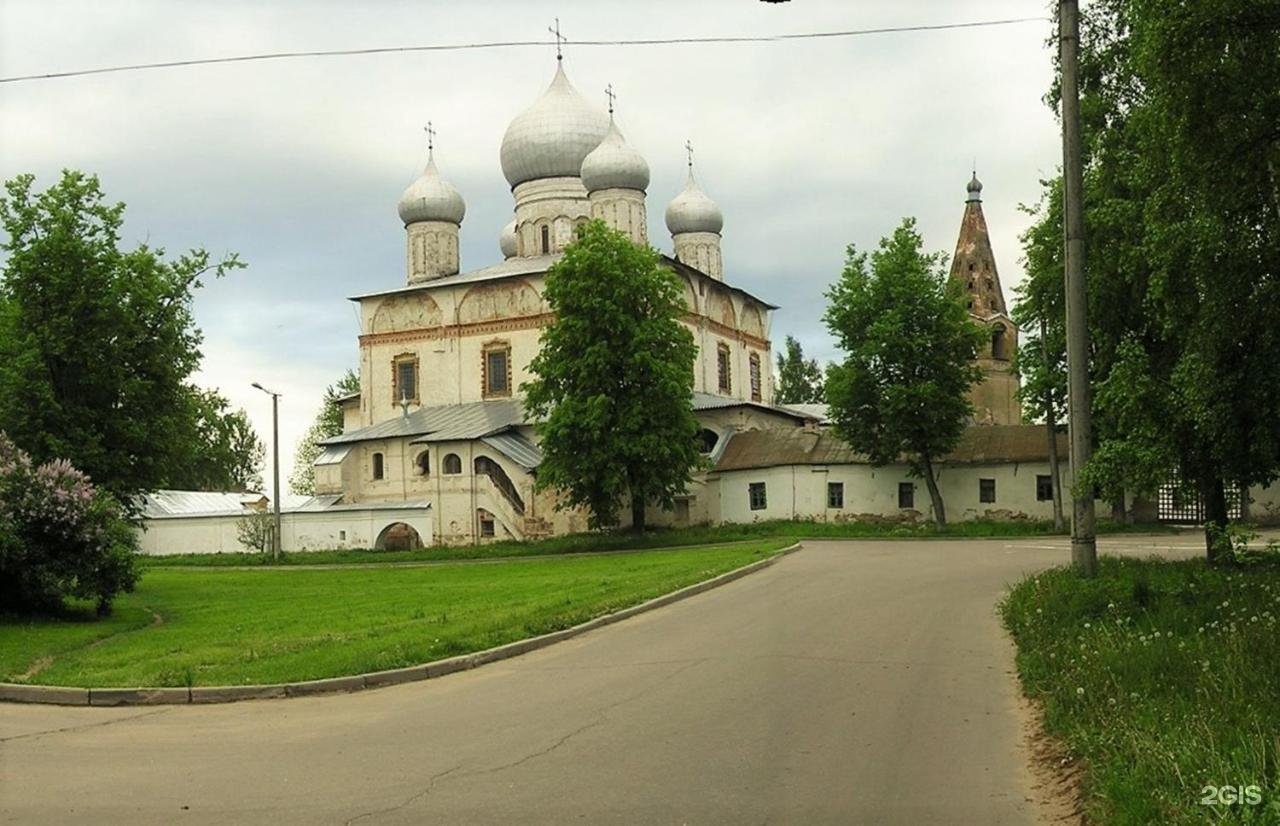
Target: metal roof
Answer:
pixel 813 411
pixel 332 455
pixel 174 503
pixel 441 423
pixel 333 502
pixel 980 444
pixel 504 269
pixel 709 401
pixel 538 264
pixel 516 447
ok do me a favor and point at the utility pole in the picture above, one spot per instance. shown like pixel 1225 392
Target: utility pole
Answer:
pixel 275 468
pixel 1084 546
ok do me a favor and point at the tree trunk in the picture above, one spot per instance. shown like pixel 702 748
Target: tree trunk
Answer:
pixel 939 510
pixel 1118 513
pixel 1215 521
pixel 1051 431
pixel 637 513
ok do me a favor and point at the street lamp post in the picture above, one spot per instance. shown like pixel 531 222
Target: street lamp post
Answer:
pixel 275 468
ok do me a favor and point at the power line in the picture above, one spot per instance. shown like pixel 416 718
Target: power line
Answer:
pixel 504 44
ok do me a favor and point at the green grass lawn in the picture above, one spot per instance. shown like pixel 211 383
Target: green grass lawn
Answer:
pixel 657 538
pixel 1163 678
pixel 219 627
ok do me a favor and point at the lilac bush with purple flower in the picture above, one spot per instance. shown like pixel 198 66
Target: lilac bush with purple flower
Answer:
pixel 60 537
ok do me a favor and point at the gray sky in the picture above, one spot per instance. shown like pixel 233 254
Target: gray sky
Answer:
pixel 297 164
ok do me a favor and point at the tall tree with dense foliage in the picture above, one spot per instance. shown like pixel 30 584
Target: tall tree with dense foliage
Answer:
pixel 224 451
pixel 328 423
pixel 60 537
pixel 614 379
pixel 901 391
pixel 800 380
pixel 1182 210
pixel 97 343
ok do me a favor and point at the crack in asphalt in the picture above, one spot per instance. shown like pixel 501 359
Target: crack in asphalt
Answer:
pixel 99 724
pixel 601 719
pixel 431 782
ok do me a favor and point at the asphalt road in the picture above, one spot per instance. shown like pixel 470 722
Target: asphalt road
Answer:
pixel 853 682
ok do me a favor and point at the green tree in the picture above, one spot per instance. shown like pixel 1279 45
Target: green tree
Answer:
pixel 96 343
pixel 328 422
pixel 800 380
pixel 901 391
pixel 1182 209
pixel 224 451
pixel 614 378
pixel 1041 360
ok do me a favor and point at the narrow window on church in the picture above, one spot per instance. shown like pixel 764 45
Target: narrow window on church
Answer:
pixel 906 495
pixel 997 343
pixel 377 466
pixel 756 495
pixel 835 495
pixel 423 463
pixel 486 522
pixel 546 239
pixel 496 369
pixel 754 363
pixel 724 375
pixel 451 464
pixel 986 490
pixel 404 379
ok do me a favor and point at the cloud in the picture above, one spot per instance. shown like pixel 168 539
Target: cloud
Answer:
pixel 297 165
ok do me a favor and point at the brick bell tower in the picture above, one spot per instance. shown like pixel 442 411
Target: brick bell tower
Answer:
pixel 995 397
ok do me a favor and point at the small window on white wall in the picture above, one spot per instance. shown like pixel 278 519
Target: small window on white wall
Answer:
pixel 377 466
pixel 756 496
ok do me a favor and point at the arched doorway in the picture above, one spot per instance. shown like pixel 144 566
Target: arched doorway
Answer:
pixel 398 536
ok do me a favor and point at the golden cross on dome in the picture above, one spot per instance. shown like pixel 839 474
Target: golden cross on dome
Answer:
pixel 431 137
pixel 559 38
pixel 688 148
pixel 609 93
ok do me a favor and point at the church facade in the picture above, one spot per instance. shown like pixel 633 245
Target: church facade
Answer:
pixel 438 424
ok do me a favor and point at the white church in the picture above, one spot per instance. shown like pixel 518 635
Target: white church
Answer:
pixel 437 438
pixel 436 448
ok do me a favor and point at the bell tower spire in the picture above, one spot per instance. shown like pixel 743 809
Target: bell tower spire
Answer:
pixel 995 397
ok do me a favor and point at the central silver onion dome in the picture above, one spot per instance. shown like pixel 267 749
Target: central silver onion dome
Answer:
pixel 693 211
pixel 431 198
pixel 614 165
pixel 551 137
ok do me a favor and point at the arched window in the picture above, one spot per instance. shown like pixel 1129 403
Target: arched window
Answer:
pixel 754 366
pixel 707 439
pixel 423 463
pixel 377 466
pixel 998 344
pixel 546 239
pixel 724 373
pixel 451 465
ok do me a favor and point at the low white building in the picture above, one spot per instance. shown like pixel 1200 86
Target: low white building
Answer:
pixel 201 522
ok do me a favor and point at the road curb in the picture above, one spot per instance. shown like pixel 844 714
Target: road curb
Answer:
pixel 67 695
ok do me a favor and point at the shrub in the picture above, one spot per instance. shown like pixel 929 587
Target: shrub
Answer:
pixel 60 537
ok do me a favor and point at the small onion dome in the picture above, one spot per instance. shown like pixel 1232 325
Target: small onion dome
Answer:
pixel 974 188
pixel 614 165
pixel 693 211
pixel 431 198
pixel 507 240
pixel 551 137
